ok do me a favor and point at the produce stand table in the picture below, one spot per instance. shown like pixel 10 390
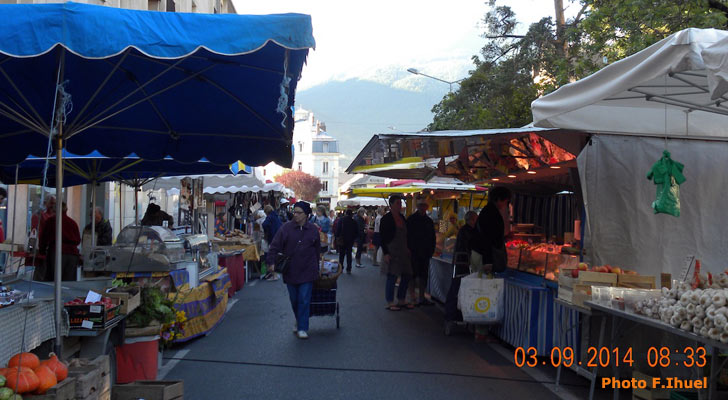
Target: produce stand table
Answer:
pixel 714 346
pixel 528 318
pixel 439 277
pixel 39 328
pixel 235 264
pixel 94 342
pixel 567 316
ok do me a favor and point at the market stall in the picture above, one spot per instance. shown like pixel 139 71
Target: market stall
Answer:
pixel 102 109
pixel 539 166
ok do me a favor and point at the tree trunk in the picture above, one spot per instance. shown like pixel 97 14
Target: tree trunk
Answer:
pixel 560 27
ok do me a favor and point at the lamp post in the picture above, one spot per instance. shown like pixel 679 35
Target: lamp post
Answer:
pixel 417 72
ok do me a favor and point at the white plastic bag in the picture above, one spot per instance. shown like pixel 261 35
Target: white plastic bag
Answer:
pixel 481 299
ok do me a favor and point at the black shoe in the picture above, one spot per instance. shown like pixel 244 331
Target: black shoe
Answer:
pixel 348 271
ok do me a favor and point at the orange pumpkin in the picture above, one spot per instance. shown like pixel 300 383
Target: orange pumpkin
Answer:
pixel 29 360
pixel 22 381
pixel 4 371
pixel 57 366
pixel 46 379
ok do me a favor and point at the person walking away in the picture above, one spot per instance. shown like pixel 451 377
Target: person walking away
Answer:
pixel 271 225
pixel 377 237
pixel 347 235
pixel 396 263
pixel 421 242
pixel 299 240
pixel 332 218
pixel 70 240
pixel 104 234
pixel 360 235
pixel 468 240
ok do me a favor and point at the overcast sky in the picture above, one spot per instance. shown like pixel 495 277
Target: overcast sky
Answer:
pixel 354 37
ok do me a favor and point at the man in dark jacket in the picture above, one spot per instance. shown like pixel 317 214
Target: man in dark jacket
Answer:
pixel 103 228
pixel 346 231
pixel 361 234
pixel 492 227
pixel 156 217
pixel 70 239
pixel 468 240
pixel 421 242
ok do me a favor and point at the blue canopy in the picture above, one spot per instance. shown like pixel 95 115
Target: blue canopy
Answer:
pixel 94 167
pixel 158 84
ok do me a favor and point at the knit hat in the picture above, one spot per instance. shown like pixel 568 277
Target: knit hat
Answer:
pixel 303 206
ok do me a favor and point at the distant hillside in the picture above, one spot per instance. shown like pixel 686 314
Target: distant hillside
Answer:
pixel 355 109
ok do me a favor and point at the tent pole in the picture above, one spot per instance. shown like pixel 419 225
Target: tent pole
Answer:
pixel 59 238
pixel 136 205
pixel 15 206
pixel 93 214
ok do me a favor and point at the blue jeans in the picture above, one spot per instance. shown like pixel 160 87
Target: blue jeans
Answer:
pixel 401 292
pixel 301 303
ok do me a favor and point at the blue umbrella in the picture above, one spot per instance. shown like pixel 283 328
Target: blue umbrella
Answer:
pixel 187 86
pixel 95 168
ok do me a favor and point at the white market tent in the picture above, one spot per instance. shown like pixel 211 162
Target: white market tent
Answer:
pixel 363 202
pixel 669 96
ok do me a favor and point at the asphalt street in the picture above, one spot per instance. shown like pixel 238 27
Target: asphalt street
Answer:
pixel 376 353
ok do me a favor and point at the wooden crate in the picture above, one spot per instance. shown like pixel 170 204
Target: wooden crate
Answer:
pixel 649 393
pixel 597 278
pixel 88 380
pixel 129 302
pixel 102 364
pixel 149 390
pixel 581 293
pixel 636 281
pixel 666 280
pixel 65 390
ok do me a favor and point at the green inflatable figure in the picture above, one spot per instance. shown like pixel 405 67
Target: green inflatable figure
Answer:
pixel 667 175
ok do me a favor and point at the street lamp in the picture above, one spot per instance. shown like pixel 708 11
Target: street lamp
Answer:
pixel 417 72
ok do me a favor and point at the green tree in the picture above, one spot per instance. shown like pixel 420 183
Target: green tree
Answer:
pixel 513 70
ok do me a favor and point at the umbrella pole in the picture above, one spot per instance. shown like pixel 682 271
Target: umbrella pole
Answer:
pixel 136 206
pixel 93 214
pixel 59 238
pixel 12 224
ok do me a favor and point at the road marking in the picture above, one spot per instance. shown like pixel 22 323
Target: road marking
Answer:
pixel 560 391
pixel 253 282
pixel 178 356
pixel 230 304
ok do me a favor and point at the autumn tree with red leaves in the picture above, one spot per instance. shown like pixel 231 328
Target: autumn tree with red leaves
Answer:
pixel 306 187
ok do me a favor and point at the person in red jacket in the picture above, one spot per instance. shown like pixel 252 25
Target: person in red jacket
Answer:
pixel 70 240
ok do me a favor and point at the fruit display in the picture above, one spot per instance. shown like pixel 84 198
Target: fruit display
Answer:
pixel 20 378
pixel 700 306
pixel 609 269
pixel 544 259
pixel 107 302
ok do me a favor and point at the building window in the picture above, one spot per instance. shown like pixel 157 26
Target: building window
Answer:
pixel 326 167
pixel 264 172
pixel 300 147
pixel 300 166
pixel 326 147
pixel 325 187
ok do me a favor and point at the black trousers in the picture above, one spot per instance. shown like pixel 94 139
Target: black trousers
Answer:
pixel 359 250
pixel 345 251
pixel 69 262
pixel 451 302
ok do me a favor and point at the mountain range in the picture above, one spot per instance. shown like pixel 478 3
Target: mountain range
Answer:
pixel 385 100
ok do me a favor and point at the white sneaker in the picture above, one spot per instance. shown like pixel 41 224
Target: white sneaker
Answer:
pixel 302 335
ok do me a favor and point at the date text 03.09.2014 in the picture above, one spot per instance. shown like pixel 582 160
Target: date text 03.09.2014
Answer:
pixel 604 357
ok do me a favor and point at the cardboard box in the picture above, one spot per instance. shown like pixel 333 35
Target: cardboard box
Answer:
pixel 636 281
pixel 149 390
pixel 129 301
